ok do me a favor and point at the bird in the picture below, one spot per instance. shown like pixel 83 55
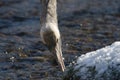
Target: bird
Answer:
pixel 50 34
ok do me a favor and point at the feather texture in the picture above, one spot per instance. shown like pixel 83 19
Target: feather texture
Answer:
pixel 50 34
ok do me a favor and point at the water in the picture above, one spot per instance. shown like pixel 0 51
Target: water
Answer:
pixel 85 26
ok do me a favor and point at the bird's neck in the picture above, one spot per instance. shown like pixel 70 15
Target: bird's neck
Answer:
pixel 49 11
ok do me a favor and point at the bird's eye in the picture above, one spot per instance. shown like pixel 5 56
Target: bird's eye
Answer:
pixel 57 40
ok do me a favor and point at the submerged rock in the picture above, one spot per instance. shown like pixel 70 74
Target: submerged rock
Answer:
pixel 102 64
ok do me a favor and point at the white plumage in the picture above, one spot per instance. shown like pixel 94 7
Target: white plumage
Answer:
pixel 50 34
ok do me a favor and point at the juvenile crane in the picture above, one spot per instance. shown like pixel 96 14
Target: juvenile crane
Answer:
pixel 50 34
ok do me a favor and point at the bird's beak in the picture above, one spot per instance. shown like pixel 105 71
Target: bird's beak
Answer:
pixel 59 56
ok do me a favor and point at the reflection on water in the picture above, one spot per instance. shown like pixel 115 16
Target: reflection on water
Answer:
pixel 85 26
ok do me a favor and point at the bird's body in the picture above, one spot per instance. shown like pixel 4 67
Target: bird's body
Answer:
pixel 50 34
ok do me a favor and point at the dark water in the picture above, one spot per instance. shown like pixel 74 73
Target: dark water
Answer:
pixel 84 25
